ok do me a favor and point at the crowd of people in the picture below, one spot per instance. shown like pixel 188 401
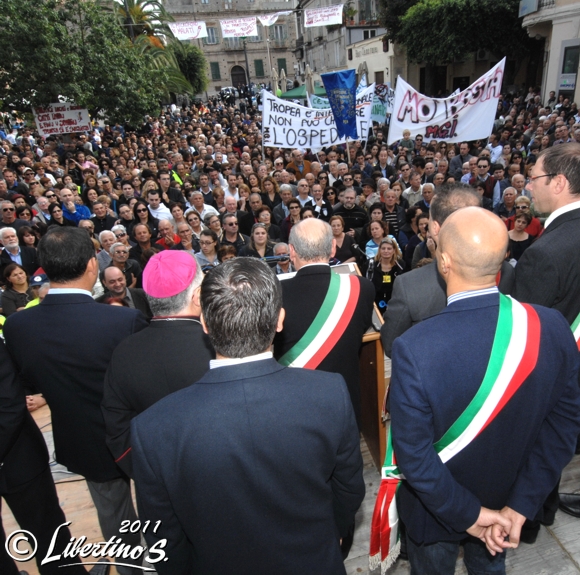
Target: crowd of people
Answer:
pixel 162 204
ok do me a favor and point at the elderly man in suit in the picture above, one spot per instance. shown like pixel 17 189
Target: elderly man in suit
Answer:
pixel 549 274
pixel 14 253
pixel 255 468
pixel 76 339
pixel 420 293
pixel 169 355
pixel 25 480
pixel 485 408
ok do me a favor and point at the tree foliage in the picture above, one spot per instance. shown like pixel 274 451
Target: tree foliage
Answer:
pixel 193 65
pixel 71 49
pixel 435 31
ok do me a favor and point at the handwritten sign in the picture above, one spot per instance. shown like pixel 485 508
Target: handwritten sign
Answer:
pixel 289 125
pixel 239 27
pixel 269 19
pixel 468 115
pixel 323 16
pixel 61 119
pixel 188 30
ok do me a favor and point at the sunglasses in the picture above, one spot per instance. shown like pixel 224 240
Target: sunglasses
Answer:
pixel 8 210
pixel 122 234
pixel 522 207
pixel 141 211
pixel 50 196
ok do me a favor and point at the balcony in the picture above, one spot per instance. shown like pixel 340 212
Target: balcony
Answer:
pixel 232 44
pixel 281 44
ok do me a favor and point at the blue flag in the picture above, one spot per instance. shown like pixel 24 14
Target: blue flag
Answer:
pixel 341 91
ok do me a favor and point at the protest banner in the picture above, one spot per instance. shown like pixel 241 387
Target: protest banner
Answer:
pixel 269 19
pixel 341 92
pixel 188 30
pixel 239 27
pixel 61 118
pixel 288 125
pixel 468 115
pixel 319 102
pixel 323 16
pixel 382 103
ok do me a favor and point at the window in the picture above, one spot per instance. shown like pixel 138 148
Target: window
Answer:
pixel 257 38
pixel 369 34
pixel 385 45
pixel 380 77
pixel 279 32
pixel 212 36
pixel 215 70
pixel 205 1
pixel 282 65
pixel 571 60
pixel 259 67
pixel 350 57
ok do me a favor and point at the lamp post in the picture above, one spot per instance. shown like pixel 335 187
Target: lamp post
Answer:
pixel 247 65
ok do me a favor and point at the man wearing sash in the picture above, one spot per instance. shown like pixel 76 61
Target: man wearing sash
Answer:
pixel 326 313
pixel 549 272
pixel 485 410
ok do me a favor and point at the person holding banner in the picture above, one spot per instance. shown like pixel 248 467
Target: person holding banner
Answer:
pixel 495 384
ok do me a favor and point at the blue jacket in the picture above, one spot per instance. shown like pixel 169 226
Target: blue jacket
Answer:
pixel 438 367
pixel 81 213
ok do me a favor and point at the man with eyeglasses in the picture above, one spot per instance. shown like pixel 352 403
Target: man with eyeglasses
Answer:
pixel 9 217
pixel 303 192
pixel 231 235
pixel 492 191
pixel 405 175
pixel 120 259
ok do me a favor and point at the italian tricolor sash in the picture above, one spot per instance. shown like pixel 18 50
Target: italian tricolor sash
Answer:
pixel 514 355
pixel 329 324
pixel 576 330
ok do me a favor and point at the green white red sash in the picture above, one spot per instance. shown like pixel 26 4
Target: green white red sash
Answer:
pixel 513 357
pixel 329 324
pixel 576 330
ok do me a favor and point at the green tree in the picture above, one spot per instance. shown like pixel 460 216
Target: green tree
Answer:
pixel 193 65
pixel 71 49
pixel 439 31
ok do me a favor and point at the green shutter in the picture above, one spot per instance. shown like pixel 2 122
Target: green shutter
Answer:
pixel 259 67
pixel 282 65
pixel 215 70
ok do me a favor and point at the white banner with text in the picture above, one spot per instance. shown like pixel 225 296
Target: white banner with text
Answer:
pixel 188 30
pixel 61 118
pixel 323 16
pixel 239 27
pixel 468 115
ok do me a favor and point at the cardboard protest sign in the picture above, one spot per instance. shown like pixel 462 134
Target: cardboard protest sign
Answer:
pixel 61 118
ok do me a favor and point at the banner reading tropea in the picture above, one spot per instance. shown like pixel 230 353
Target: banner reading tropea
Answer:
pixel 323 16
pixel 288 125
pixel 468 115
pixel 188 30
pixel 239 27
pixel 61 118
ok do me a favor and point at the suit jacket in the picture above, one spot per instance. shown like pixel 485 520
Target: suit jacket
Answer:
pixel 516 461
pixel 23 453
pixel 255 469
pixel 420 294
pixel 302 298
pixel 549 271
pixel 278 213
pixel 29 261
pixel 139 299
pixel 145 367
pixel 75 339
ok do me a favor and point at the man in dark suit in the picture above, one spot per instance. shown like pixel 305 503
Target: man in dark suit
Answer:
pixel 311 246
pixel 549 274
pixel 76 338
pixel 115 284
pixel 256 468
pixel 172 353
pixel 420 293
pixel 25 480
pixel 518 444
pixel 12 251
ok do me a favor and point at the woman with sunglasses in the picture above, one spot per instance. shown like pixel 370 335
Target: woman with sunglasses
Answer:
pixel 56 216
pixel 329 195
pixel 24 213
pixel 293 218
pixel 121 235
pixel 194 221
pixel 142 215
pixel 323 179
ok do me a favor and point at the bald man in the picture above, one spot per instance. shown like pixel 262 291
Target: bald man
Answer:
pixel 513 442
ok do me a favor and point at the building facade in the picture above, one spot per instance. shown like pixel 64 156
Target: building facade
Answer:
pixel 232 60
pixel 558 23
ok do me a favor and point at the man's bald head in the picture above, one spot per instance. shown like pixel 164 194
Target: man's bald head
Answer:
pixel 472 246
pixel 312 240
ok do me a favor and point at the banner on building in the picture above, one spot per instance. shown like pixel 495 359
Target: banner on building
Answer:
pixel 188 30
pixel 341 92
pixel 289 125
pixel 323 16
pixel 269 19
pixel 61 119
pixel 239 27
pixel 468 115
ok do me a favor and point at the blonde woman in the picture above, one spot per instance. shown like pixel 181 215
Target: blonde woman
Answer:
pixel 388 264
